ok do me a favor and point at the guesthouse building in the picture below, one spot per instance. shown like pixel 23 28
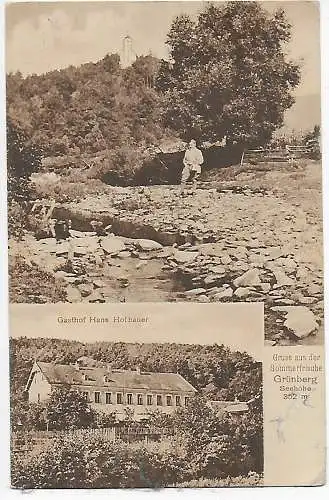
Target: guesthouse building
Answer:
pixel 111 390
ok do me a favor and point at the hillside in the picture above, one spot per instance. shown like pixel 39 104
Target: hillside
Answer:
pixel 214 370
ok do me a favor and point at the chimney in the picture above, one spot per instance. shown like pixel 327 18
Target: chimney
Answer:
pixel 76 365
pixel 138 370
pixel 109 368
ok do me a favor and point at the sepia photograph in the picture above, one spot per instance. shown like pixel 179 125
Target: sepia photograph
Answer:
pixel 167 152
pixel 178 407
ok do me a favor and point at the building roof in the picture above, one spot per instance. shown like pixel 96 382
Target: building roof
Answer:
pixel 229 406
pixel 127 379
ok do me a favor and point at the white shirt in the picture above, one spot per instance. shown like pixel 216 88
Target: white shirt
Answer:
pixel 193 158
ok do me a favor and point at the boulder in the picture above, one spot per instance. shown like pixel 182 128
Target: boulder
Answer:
pixel 227 293
pixel 184 256
pixel 203 298
pixel 148 245
pixel 300 321
pixel 226 259
pixel 249 278
pixel 85 289
pixel 281 278
pixel 96 296
pixel 112 244
pixel 314 289
pixel 195 291
pixel 73 294
pixel 242 292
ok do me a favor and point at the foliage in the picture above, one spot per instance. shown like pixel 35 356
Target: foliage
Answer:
pixel 212 369
pixel 31 284
pixel 90 108
pixel 67 409
pixel 228 74
pixel 219 444
pixel 22 160
pixel 218 449
pixel 94 463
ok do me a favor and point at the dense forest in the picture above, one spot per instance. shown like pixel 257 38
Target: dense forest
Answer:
pixel 214 370
pixel 87 109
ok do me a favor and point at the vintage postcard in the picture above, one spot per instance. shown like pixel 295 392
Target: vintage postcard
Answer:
pixel 165 244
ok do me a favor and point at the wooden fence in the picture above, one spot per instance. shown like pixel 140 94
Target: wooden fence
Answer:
pixel 22 441
pixel 287 154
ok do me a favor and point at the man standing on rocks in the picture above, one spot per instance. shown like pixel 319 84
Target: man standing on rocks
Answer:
pixel 193 160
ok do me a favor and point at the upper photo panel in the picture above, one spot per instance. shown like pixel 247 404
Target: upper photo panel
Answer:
pixel 166 152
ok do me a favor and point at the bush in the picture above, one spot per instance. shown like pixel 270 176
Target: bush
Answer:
pixel 30 284
pixel 17 219
pixel 122 166
pixel 95 463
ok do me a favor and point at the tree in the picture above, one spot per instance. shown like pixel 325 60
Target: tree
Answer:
pixel 67 409
pixel 22 160
pixel 228 74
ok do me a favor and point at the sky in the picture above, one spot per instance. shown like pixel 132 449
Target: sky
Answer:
pixel 240 326
pixel 53 35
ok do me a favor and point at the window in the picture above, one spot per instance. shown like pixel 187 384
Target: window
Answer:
pixel 97 397
pixel 178 402
pixel 186 401
pixel 139 399
pixel 119 398
pixel 129 399
pixel 169 400
pixel 159 400
pixel 86 395
pixel 108 398
pixel 149 400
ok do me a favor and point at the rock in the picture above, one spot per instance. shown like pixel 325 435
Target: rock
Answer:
pixel 281 278
pixel 301 321
pixel 256 259
pixel 112 244
pixel 249 278
pixel 242 292
pixel 62 248
pixel 307 300
pixel 211 249
pixel 203 298
pixel 81 234
pixel 85 289
pixel 314 289
pixel 148 245
pixel 98 283
pixel 274 253
pixel 288 264
pixel 227 293
pixel 211 279
pixel 184 256
pixel 218 270
pixel 124 254
pixel 270 343
pixel 95 296
pixel 266 287
pixel 73 294
pixel 195 291
pixel 226 259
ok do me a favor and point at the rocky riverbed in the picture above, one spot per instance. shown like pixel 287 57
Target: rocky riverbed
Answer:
pixel 217 242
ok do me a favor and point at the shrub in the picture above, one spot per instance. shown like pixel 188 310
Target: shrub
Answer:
pixel 30 284
pixel 95 463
